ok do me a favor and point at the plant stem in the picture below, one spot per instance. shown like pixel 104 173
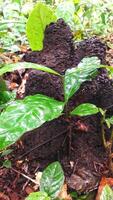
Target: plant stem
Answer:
pixel 110 152
pixel 24 175
pixel 12 22
pixel 107 145
pixel 103 131
pixel 111 139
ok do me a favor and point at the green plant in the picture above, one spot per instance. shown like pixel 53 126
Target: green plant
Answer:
pixel 6 97
pixel 88 109
pixel 87 17
pixel 40 17
pixel 51 183
pixel 12 26
pixel 107 193
pixel 24 115
pixel 20 116
pixel 14 15
pixel 33 111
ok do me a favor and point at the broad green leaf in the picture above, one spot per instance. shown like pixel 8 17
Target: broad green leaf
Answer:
pixel 85 109
pixel 25 115
pixel 52 180
pixel 107 193
pixel 66 10
pixel 38 196
pixel 40 17
pixel 25 65
pixel 74 77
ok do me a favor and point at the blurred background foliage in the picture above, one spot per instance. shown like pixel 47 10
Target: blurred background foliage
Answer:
pixel 85 17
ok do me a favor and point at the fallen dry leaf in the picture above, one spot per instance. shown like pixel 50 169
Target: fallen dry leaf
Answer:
pixel 3 196
pixel 104 181
pixel 63 194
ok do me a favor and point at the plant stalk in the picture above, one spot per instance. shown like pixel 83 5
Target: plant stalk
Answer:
pixel 103 131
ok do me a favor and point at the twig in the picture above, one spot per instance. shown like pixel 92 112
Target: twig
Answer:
pixel 32 180
pixel 103 131
pixel 47 141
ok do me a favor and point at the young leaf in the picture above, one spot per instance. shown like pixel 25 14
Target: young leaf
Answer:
pixel 25 115
pixel 6 152
pixel 85 109
pixel 110 70
pixel 52 180
pixel 38 196
pixel 40 17
pixel 7 164
pixel 107 193
pixel 109 121
pixel 25 65
pixel 76 76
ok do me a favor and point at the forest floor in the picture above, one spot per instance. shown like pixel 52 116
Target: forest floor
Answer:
pixel 84 159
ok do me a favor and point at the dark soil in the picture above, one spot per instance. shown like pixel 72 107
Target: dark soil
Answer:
pixel 86 162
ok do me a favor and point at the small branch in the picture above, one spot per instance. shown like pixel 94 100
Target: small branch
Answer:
pixel 32 180
pixel 111 139
pixel 40 145
pixel 12 22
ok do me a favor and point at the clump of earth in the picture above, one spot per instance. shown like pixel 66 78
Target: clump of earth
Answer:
pixel 84 159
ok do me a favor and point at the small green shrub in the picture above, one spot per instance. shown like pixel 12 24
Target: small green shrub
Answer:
pixel 51 183
pixel 24 115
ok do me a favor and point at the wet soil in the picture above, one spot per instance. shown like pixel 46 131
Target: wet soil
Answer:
pixel 83 156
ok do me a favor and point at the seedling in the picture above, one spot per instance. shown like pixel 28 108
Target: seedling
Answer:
pixel 88 109
pixel 51 183
pixel 20 116
pixel 24 115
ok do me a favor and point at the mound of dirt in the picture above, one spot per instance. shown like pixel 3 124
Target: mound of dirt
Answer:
pixel 60 53
pixel 82 155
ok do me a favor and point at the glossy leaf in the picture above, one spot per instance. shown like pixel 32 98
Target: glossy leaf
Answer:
pixel 52 180
pixel 85 109
pixel 38 196
pixel 76 76
pixel 25 65
pixel 6 96
pixel 25 115
pixel 7 164
pixel 107 193
pixel 40 17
